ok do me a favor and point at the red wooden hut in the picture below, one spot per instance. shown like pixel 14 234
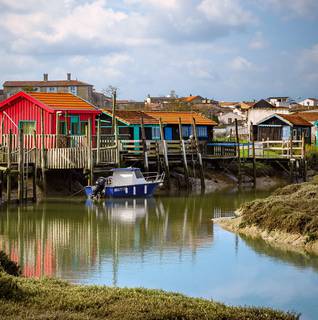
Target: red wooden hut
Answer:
pixel 63 113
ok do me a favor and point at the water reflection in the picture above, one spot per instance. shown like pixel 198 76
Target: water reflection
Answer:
pixel 62 239
pixel 168 243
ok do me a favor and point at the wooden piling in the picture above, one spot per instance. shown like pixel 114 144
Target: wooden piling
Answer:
pixel 43 153
pixel 9 155
pixel 253 154
pixel 184 155
pixel 165 154
pixel 199 155
pixel 20 167
pixel 144 145
pixel 98 141
pixel 117 142
pixel 238 155
pixel 89 152
pixel 34 168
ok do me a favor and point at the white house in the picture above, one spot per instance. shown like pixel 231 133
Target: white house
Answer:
pixel 263 109
pixel 309 102
pixel 279 101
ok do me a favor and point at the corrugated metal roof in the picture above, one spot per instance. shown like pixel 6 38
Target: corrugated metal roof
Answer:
pixel 172 117
pixel 62 101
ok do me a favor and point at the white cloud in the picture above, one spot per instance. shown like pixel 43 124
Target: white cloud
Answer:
pixel 239 64
pixel 295 7
pixel 258 41
pixel 228 12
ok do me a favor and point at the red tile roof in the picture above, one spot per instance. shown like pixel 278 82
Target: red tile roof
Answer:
pixel 295 119
pixel 309 116
pixel 172 117
pixel 62 101
pixel 49 83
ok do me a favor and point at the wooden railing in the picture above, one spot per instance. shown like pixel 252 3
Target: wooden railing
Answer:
pixel 263 149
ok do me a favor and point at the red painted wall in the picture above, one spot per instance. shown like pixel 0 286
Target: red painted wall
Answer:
pixel 23 109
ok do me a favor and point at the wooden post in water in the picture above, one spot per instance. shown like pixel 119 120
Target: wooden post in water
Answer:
pixel 34 167
pixel 165 153
pixel 20 167
pixel 98 141
pixel 239 175
pixel 144 145
pixel 43 152
pixel 9 167
pixel 184 155
pixel 253 154
pixel 303 158
pixel 117 142
pixel 199 154
pixel 89 152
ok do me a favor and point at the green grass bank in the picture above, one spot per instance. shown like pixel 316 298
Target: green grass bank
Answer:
pixel 289 216
pixel 22 298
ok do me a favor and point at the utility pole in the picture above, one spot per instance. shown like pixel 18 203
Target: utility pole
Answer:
pixel 113 91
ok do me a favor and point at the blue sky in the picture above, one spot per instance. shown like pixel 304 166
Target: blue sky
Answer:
pixel 222 49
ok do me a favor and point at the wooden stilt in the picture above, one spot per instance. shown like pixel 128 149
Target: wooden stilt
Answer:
pixel 43 153
pixel 98 141
pixel 165 154
pixel 184 155
pixel 238 154
pixel 34 168
pixel 200 163
pixel 89 152
pixel 20 167
pixel 253 155
pixel 9 154
pixel 144 145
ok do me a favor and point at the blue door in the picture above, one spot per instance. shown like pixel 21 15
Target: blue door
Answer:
pixel 168 133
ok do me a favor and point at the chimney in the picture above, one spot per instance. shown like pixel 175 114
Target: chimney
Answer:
pixel 45 77
pixel 68 77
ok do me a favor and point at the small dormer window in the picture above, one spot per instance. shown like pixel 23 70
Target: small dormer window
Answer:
pixel 51 89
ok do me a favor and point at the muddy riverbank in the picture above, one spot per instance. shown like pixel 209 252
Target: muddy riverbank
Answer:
pixel 288 218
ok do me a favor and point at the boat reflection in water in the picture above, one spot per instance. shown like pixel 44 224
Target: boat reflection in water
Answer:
pixel 123 210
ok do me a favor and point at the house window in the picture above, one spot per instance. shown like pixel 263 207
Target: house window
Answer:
pixel 186 131
pixel 306 132
pixel 295 134
pixel 62 127
pixel 28 127
pixel 155 133
pixel 84 126
pixel 229 121
pixel 72 89
pixel 202 132
pixel 51 89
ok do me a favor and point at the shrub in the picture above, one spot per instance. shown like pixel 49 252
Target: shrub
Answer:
pixel 8 266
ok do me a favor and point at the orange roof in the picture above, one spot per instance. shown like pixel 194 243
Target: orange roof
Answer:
pixel 309 116
pixel 62 101
pixel 190 98
pixel 295 119
pixel 172 117
pixel 132 117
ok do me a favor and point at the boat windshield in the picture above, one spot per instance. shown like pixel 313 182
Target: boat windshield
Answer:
pixel 138 174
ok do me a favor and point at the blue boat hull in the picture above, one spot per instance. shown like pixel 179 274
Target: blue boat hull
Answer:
pixel 139 190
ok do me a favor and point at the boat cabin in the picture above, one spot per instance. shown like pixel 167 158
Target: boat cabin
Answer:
pixel 127 177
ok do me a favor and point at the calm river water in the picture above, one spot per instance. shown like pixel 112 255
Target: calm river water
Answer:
pixel 167 243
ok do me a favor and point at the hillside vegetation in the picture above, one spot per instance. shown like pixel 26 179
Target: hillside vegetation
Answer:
pixel 292 209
